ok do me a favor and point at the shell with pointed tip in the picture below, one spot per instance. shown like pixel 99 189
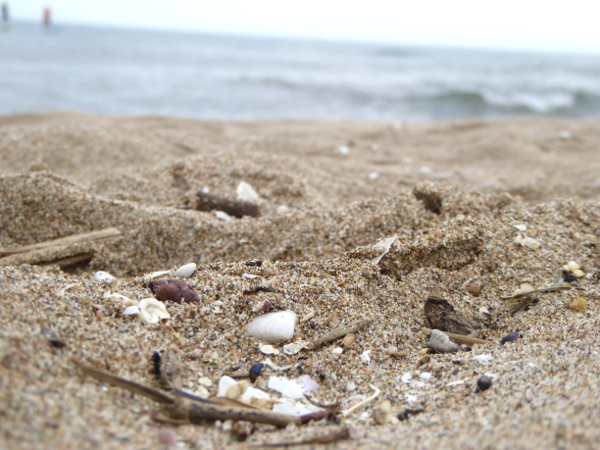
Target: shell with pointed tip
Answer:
pixel 273 327
pixel 186 271
pixel 152 311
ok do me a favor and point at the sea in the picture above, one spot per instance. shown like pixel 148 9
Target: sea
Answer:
pixel 208 76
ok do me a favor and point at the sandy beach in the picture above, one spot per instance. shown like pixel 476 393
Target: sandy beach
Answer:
pixel 477 209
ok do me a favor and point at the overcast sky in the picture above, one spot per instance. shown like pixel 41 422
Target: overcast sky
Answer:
pixel 513 24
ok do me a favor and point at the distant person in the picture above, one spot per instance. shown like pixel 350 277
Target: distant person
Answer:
pixel 47 16
pixel 5 16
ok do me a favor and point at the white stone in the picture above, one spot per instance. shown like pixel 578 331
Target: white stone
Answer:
pixel 343 150
pixel 131 310
pixel 273 327
pixel 246 193
pixel 337 351
pixel 103 276
pixel 425 375
pixel 482 358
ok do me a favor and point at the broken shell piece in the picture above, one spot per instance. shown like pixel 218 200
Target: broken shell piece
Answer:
pixel 571 266
pixel 269 350
pixel 482 358
pixel 348 340
pixel 256 397
pixel 225 383
pixel 295 388
pixel 273 327
pixel 528 242
pixel 579 273
pixel 186 271
pixel 152 311
pixel 103 276
pixel 337 351
pixel 246 193
pixel 578 304
pixel 294 347
pixel 440 342
pixel 384 245
pixel 131 310
pixel 383 413
pixel 223 216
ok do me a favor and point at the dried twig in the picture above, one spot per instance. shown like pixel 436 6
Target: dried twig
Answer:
pixel 364 402
pixel 341 332
pixel 197 410
pixel 460 338
pixel 337 435
pixel 541 291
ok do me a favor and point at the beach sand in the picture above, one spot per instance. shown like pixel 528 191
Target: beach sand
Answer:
pixel 497 204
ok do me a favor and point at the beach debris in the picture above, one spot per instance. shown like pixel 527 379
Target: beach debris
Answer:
pixel 157 274
pixel 384 246
pixel 474 289
pixel 207 202
pixel 104 277
pixel 341 331
pixel 186 270
pixel 482 358
pixel 167 369
pixel 320 438
pixel 197 410
pixel 255 371
pixel 52 337
pixel 527 241
pixel 485 314
pixel 383 414
pixel 223 216
pixel 271 365
pixel 273 327
pixel 131 310
pixel 308 316
pixel 293 388
pixel 425 375
pixel 152 311
pixel 373 175
pixel 404 415
pixel 483 383
pixel 441 343
pixel 348 340
pixel 294 347
pixel 565 134
pixel 512 337
pixel 521 292
pixel 364 402
pixel 407 377
pixel 442 315
pixel 256 289
pixel 578 304
pixel 173 290
pixel 269 350
pixel 246 193
pixel 521 227
pixel 250 276
pixel 343 150
pixel 253 263
pixel 574 268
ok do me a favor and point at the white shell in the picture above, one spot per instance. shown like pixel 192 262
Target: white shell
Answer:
pixel 366 357
pixel 425 375
pixel 407 377
pixel 273 327
pixel 223 216
pixel 344 150
pixel 186 271
pixel 384 245
pixel 225 383
pixel 293 388
pixel 440 342
pixel 294 347
pixel 246 193
pixel 152 311
pixel 482 358
pixel 250 276
pixel 131 310
pixel 337 351
pixel 103 276
pixel 269 350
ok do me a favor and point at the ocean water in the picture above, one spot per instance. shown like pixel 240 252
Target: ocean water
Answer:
pixel 134 72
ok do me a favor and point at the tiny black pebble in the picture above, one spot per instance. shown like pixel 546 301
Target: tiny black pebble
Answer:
pixel 569 277
pixel 512 337
pixel 484 383
pixel 253 263
pixel 457 361
pixel 591 245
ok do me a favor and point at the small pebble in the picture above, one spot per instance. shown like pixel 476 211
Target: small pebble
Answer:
pixel 484 383
pixel 474 289
pixel 440 342
pixel 103 276
pixel 512 337
pixel 578 304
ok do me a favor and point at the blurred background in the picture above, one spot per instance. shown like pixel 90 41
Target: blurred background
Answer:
pixel 327 59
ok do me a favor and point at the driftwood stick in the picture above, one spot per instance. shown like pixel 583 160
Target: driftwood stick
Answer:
pixel 327 438
pixel 460 338
pixel 542 291
pixel 341 332
pixel 196 411
pixel 100 235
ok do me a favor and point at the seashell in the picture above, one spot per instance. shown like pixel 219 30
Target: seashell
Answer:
pixel 482 358
pixel 294 347
pixel 246 193
pixel 131 310
pixel 186 271
pixel 521 227
pixel 366 357
pixel 348 340
pixel 269 350
pixel 440 342
pixel 256 397
pixel 337 351
pixel 103 276
pixel 236 391
pixel 273 327
pixel 152 311
pixel 291 409
pixel 425 375
pixel 343 150
pixel 407 377
pixel 295 388
pixel 159 273
pixel 579 273
pixel 225 383
pixel 571 266
pixel 383 413
pixel 223 216
pixel 250 276
pixel 384 245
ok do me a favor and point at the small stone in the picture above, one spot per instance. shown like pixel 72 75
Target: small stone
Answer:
pixel 348 340
pixel 579 273
pixel 484 383
pixel 425 375
pixel 440 342
pixel 474 289
pixel 512 337
pixel 578 304
pixel 104 276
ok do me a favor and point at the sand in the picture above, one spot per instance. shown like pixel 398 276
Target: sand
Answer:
pixel 494 203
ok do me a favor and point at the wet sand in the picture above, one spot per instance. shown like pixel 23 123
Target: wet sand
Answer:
pixel 494 203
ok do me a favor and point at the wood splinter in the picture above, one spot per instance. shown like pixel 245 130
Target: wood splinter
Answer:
pixel 196 410
pixel 460 338
pixel 342 331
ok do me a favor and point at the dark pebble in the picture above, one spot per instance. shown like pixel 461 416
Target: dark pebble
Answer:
pixel 484 383
pixel 569 277
pixel 512 337
pixel 409 412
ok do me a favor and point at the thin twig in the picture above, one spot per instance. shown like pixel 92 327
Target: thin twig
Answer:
pixel 364 402
pixel 341 332
pixel 542 291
